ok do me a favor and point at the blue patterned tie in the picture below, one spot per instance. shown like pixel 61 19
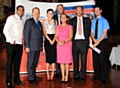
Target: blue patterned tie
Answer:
pixel 38 24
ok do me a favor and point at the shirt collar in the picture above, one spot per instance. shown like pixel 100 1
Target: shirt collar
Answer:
pixel 58 15
pixel 99 17
pixel 17 16
pixel 80 17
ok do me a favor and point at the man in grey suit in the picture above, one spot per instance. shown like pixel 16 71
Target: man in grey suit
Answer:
pixel 33 38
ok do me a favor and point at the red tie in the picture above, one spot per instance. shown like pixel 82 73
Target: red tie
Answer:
pixel 79 27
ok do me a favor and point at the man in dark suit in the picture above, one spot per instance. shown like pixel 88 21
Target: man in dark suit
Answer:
pixel 56 17
pixel 33 37
pixel 60 10
pixel 81 32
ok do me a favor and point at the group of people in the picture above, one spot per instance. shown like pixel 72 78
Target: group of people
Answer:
pixel 65 39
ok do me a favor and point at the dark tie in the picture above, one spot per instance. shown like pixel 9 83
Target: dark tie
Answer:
pixel 38 24
pixel 20 18
pixel 96 29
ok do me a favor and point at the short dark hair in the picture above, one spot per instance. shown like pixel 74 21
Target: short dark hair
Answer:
pixel 97 6
pixel 36 8
pixel 80 6
pixel 20 6
pixel 50 10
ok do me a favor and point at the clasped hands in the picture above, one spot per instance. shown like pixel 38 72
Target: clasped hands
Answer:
pixel 51 42
pixel 61 43
pixel 97 42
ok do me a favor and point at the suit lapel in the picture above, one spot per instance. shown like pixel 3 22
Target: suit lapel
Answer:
pixel 34 23
pixel 75 24
pixel 83 24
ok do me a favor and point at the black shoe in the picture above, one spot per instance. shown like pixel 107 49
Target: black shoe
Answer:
pixel 9 85
pixel 82 80
pixel 33 82
pixel 19 82
pixel 38 78
pixel 94 78
pixel 66 81
pixel 103 83
pixel 62 81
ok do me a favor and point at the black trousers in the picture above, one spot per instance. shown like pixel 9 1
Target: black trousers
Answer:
pixel 33 57
pixel 14 53
pixel 100 62
pixel 79 47
pixel 58 70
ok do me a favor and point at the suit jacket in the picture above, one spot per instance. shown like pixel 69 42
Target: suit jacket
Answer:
pixel 33 35
pixel 86 27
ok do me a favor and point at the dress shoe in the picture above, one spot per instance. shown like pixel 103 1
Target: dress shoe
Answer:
pixel 94 78
pixel 103 83
pixel 33 82
pixel 9 85
pixel 38 78
pixel 82 80
pixel 19 82
pixel 62 81
pixel 66 81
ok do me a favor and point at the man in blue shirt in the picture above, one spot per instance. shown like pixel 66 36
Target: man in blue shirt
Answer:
pixel 99 29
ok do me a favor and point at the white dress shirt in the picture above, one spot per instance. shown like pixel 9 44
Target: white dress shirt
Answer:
pixel 59 19
pixel 13 29
pixel 77 35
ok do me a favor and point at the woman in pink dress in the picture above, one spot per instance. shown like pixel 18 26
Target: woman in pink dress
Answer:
pixel 64 34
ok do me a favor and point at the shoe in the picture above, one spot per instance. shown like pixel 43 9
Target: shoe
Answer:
pixel 19 82
pixel 94 78
pixel 38 78
pixel 103 83
pixel 66 81
pixel 62 81
pixel 9 85
pixel 33 82
pixel 82 80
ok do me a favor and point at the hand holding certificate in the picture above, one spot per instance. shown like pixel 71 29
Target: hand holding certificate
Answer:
pixel 95 49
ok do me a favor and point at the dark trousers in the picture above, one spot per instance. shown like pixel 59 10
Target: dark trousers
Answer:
pixel 14 53
pixel 79 47
pixel 58 70
pixel 33 57
pixel 100 62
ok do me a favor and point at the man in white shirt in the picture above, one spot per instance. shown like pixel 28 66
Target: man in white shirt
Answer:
pixel 13 32
pixel 81 32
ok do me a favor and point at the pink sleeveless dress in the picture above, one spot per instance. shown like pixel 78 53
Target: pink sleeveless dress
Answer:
pixel 64 53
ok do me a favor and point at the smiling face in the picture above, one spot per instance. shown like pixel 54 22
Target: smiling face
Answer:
pixel 35 13
pixel 97 11
pixel 60 9
pixel 63 18
pixel 79 11
pixel 50 14
pixel 20 11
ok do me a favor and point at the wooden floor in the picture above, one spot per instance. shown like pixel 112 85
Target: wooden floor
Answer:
pixel 112 82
